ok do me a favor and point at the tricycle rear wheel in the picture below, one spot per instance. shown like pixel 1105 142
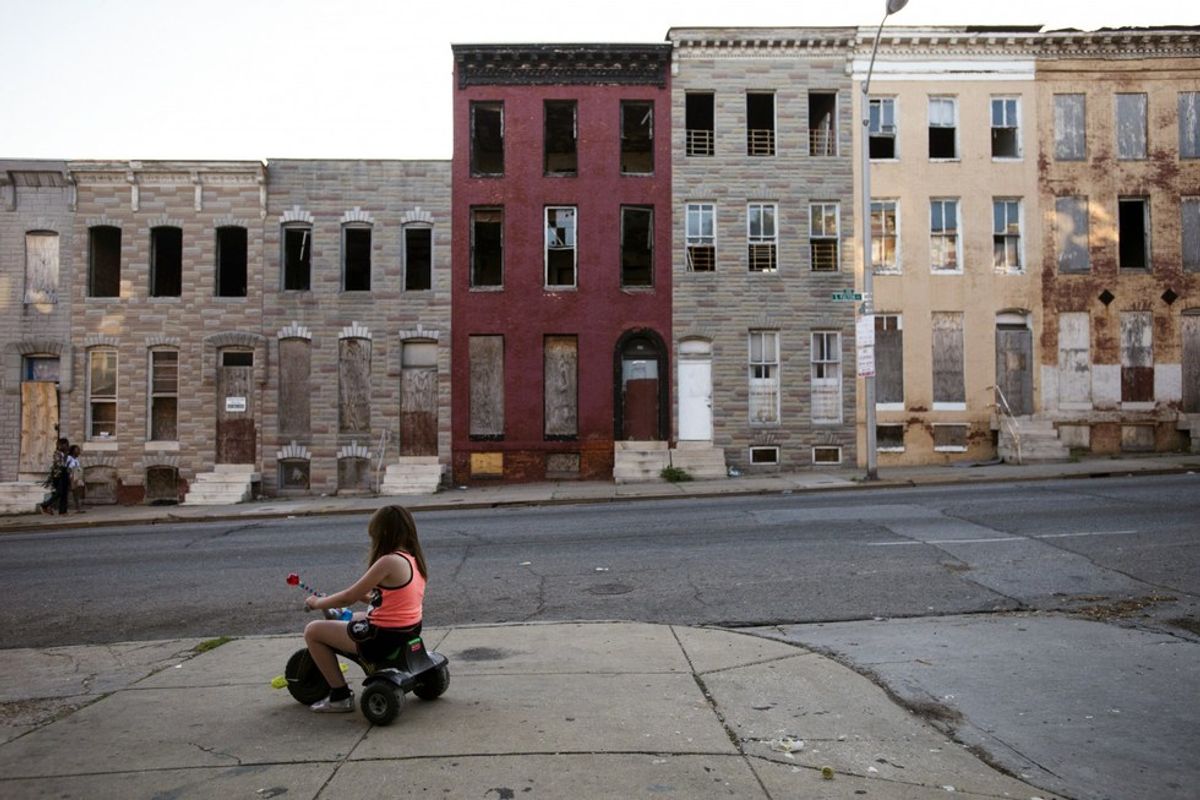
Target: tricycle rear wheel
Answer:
pixel 305 682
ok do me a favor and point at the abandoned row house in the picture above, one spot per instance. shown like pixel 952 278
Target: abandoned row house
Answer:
pixel 636 258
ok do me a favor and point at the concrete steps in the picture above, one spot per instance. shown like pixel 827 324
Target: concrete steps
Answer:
pixel 226 485
pixel 21 497
pixel 1038 440
pixel 412 475
pixel 639 462
pixel 699 459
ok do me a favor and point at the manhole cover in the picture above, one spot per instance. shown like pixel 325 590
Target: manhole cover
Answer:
pixel 610 588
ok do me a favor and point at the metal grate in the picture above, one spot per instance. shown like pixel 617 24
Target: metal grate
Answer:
pixel 822 143
pixel 762 258
pixel 702 258
pixel 760 142
pixel 700 143
pixel 824 255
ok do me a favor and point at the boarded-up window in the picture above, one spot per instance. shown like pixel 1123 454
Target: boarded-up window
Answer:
pixel 487 386
pixel 823 235
pixel 637 136
pixel 164 395
pixel 561 386
pixel 1189 124
pixel 1070 127
pixel 949 438
pixel 487 247
pixel 1137 357
pixel 889 437
pixel 166 261
pixel 1071 234
pixel 637 246
pixel 1190 227
pixel 1133 232
pixel 1131 126
pixel 354 475
pixel 231 261
pixel 162 485
pixel 41 267
pixel 948 384
pixel 889 359
pixel 295 392
pixel 104 261
pixel 487 138
pixel 764 377
pixel 297 258
pixel 418 259
pixel 1074 359
pixel 356 258
pixel 561 136
pixel 826 362
pixel 354 385
pixel 418 398
pixel 102 394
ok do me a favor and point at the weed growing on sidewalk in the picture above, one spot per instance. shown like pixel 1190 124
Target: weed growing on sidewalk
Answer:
pixel 211 644
pixel 674 475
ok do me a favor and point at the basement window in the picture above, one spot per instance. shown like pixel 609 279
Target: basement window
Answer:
pixel 637 246
pixel 356 258
pixel 889 438
pixel 764 455
pixel 637 137
pixel 166 261
pixel 297 258
pixel 827 455
pixel 231 261
pixel 104 261
pixel 1133 232
pixel 487 139
pixel 561 135
pixel 822 124
pixel 760 124
pixel 949 438
pixel 699 122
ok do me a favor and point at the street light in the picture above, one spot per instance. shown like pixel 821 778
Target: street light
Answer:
pixel 868 306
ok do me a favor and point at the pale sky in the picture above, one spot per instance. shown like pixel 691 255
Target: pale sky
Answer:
pixel 260 79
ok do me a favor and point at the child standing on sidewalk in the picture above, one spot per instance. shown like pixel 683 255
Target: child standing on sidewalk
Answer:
pixel 75 468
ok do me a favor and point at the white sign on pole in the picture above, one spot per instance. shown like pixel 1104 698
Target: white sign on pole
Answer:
pixel 864 341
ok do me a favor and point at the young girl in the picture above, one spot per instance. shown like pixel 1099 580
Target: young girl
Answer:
pixel 78 487
pixel 393 586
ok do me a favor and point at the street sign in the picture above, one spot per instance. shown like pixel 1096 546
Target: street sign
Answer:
pixel 864 341
pixel 847 296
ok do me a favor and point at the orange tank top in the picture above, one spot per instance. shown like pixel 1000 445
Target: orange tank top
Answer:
pixel 399 606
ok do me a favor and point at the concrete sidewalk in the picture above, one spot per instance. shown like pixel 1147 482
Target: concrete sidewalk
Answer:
pixel 563 710
pixel 568 492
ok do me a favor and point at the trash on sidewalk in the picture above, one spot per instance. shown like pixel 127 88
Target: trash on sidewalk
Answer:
pixel 786 745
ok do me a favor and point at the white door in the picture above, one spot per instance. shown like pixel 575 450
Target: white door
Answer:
pixel 695 400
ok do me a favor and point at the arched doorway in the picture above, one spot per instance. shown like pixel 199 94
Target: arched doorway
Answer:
pixel 640 406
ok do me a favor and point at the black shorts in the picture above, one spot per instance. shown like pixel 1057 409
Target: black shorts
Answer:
pixel 381 646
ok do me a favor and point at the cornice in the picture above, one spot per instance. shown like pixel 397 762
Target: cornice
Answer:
pixel 561 64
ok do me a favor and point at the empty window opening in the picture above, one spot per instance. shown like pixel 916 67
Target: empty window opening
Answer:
pixel 885 235
pixel 162 485
pixel 1189 124
pixel 487 247
pixel 356 259
pixel 889 360
pixel 949 438
pixel 297 258
pixel 762 237
pixel 560 246
pixel 1131 126
pixel 487 138
pixel 760 124
pixel 823 236
pixel 237 358
pixel 764 455
pixel 418 259
pixel 102 394
pixel 637 246
pixel 560 137
pixel 943 127
pixel 166 262
pixel 882 128
pixel 943 235
pixel 889 438
pixel 701 237
pixel 1133 232
pixel 1006 138
pixel 1070 127
pixel 1071 234
pixel 699 123
pixel 164 395
pixel 827 455
pixel 104 261
pixel 231 262
pixel 1006 235
pixel 637 137
pixel 822 124
pixel 293 475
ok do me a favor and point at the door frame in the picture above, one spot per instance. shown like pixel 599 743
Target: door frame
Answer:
pixel 694 355
pixel 664 384
pixel 1016 319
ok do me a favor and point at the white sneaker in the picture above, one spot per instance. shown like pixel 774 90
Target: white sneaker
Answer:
pixel 328 706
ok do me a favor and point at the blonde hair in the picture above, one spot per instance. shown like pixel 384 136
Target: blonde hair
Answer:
pixel 392 528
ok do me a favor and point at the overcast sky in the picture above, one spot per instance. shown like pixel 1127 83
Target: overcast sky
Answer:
pixel 256 79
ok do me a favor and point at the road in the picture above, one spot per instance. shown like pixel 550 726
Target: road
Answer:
pixel 943 594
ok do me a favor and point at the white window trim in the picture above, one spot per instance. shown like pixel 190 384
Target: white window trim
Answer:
pixel 574 284
pixel 763 240
pixel 812 456
pixel 1020 156
pixel 816 382
pixel 697 241
pixel 958 240
pixel 895 101
pixel 777 379
pixel 946 406
pixel 835 237
pixel 750 456
pixel 1020 270
pixel 898 267
pixel 957 128
pixel 90 437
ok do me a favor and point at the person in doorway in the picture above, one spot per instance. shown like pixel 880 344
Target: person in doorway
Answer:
pixel 394 588
pixel 58 481
pixel 75 468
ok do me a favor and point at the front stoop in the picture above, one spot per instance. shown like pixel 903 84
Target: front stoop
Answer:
pixel 700 460
pixel 1038 441
pixel 639 462
pixel 226 485
pixel 21 497
pixel 412 475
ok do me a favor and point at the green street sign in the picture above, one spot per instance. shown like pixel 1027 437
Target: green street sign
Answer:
pixel 847 296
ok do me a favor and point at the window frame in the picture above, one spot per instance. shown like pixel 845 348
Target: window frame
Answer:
pixel 153 393
pixel 94 232
pixel 649 210
pixel 877 240
pixel 886 322
pixel 1147 234
pixel 762 240
pixel 1014 126
pixel 693 240
pixel 955 126
pixel 625 105
pixel 957 269
pixel 1189 122
pixel 1187 202
pixel 1144 139
pixel 473 277
pixel 771 375
pixel 573 153
pixel 768 148
pixel 94 400
pixel 219 257
pixel 157 233
pixel 876 131
pixel 572 246
pixel 52 272
pixel 405 256
pixel 306 263
pixel 696 145
pixel 815 238
pixel 1077 149
pixel 476 105
pixel 819 367
pixel 1010 204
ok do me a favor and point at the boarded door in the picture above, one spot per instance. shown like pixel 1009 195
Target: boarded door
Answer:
pixel 39 425
pixel 1014 367
pixel 1137 357
pixel 418 399
pixel 695 400
pixel 1191 361
pixel 235 408
pixel 1074 354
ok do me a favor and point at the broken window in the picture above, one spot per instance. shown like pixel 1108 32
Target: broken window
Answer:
pixel 164 395
pixel 231 261
pixel 882 128
pixel 1006 127
pixel 486 394
pixel 1190 226
pixel 1071 227
pixel 295 389
pixel 762 237
pixel 885 235
pixel 560 393
pixel 560 246
pixel 41 267
pixel 1133 232
pixel 823 236
pixel 764 377
pixel 1189 124
pixel 104 261
pixel 637 136
pixel 1137 357
pixel 102 394
pixel 889 437
pixel 699 120
pixel 889 360
pixel 487 247
pixel 1070 127
pixel 356 258
pixel 637 246
pixel 166 261
pixel 418 259
pixel 700 232
pixel 297 257
pixel 760 123
pixel 487 138
pixel 293 474
pixel 822 124
pixel 1006 235
pixel 1131 126
pixel 354 385
pixel 561 134
pixel 944 244
pixel 943 127
pixel 826 363
pixel 948 385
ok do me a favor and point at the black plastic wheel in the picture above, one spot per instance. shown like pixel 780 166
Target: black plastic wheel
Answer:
pixel 304 681
pixel 381 703
pixel 433 684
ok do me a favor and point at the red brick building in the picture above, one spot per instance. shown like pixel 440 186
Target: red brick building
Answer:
pixel 561 264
